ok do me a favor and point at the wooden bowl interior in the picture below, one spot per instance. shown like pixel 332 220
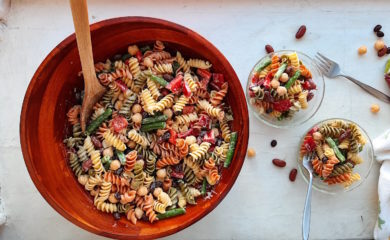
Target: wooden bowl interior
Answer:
pixel 51 94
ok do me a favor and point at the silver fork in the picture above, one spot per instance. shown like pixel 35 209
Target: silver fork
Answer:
pixel 307 210
pixel 331 69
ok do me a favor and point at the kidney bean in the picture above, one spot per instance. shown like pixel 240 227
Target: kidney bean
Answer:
pixel 301 31
pixel 388 50
pixel 377 28
pixel 96 142
pixel 269 48
pixel 310 96
pixel 278 162
pixel 380 34
pixel 274 143
pixel 293 174
pixel 382 52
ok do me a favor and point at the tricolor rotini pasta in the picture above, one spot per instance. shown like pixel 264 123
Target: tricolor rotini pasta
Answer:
pixel 162 131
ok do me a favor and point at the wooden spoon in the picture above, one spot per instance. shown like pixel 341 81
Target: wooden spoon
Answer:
pixel 92 87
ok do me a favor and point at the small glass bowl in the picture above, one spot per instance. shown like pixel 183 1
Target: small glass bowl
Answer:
pixel 364 168
pixel 304 114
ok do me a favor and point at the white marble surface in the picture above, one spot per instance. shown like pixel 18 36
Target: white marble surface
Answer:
pixel 263 204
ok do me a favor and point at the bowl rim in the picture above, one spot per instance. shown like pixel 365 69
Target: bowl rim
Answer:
pixel 363 178
pixel 27 151
pixel 285 126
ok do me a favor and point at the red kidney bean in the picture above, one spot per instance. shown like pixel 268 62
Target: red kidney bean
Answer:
pixel 274 143
pixel 310 96
pixel 293 174
pixel 382 52
pixel 377 28
pixel 269 48
pixel 301 31
pixel 96 142
pixel 278 162
pixel 388 50
pixel 380 34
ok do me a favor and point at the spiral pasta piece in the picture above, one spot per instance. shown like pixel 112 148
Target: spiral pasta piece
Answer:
pixel 96 162
pixel 152 85
pixel 344 144
pixel 88 146
pixel 354 178
pixel 219 96
pixel 167 161
pixel 139 175
pixel 136 137
pixel 182 147
pixel 264 72
pixel 92 182
pixel 293 57
pixel 330 131
pixel 162 68
pixel 328 151
pixel 317 166
pixel 212 111
pixel 105 207
pixel 201 151
pixel 225 130
pixel 130 215
pixel 149 208
pixel 166 102
pixel 328 166
pixel 338 179
pixel 190 81
pixel 341 169
pixel 198 63
pixel 75 164
pixel 186 118
pixel 134 67
pixel 186 193
pixel 302 98
pixel 131 158
pixel 148 101
pixel 113 140
pixel 181 102
pixel 296 88
pixel 73 114
pixel 304 71
pixel 104 192
pixel 274 64
pixel 182 62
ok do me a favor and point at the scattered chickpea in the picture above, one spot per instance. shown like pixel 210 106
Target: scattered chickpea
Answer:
pixel 317 136
pixel 275 83
pixel 379 44
pixel 161 173
pixel 137 118
pixel 157 192
pixel 168 112
pixel 284 77
pixel 108 152
pixel 362 50
pixel 148 62
pixel 83 179
pixel 251 152
pixel 133 49
pixel 114 165
pixel 190 140
pixel 112 198
pixel 375 108
pixel 281 90
pixel 131 144
pixel 136 108
pixel 142 191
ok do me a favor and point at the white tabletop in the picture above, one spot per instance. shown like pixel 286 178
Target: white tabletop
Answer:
pixel 263 203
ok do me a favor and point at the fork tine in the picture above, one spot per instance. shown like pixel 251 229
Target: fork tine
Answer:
pixel 325 64
pixel 327 59
pixel 322 69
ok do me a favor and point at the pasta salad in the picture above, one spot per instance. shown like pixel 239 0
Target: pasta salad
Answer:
pixel 159 137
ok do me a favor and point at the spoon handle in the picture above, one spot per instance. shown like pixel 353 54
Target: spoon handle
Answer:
pixel 307 211
pixel 83 37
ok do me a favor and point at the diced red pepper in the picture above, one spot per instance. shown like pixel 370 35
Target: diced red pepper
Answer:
pixel 175 84
pixel 122 86
pixel 209 137
pixel 173 136
pixel 254 78
pixel 138 55
pixel 309 85
pixel 188 109
pixel 119 123
pixel 267 80
pixel 218 79
pixel 313 130
pixel 309 143
pixel 178 175
pixel 185 134
pixel 186 89
pixel 211 148
pixel 204 82
pixel 196 130
pixel 204 73
pixel 204 121
pixel 282 105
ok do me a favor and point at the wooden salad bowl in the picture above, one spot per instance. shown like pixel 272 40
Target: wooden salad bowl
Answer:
pixel 43 123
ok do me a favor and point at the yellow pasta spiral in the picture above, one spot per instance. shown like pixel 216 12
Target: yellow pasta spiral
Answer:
pixel 166 102
pixel 294 60
pixel 225 130
pixel 264 72
pixel 354 177
pixel 198 63
pixel 328 151
pixel 344 144
pixel 113 140
pixel 134 67
pixel 212 111
pixel 92 182
pixel 88 146
pixel 136 137
pixel 163 68
pixel 181 102
pixel 106 207
pixel 148 101
pixel 159 207
pixel 182 62
pixel 186 118
pixel 96 162
pixel 104 192
pixel 302 98
pixel 201 151
pixel 296 88
pixel 191 82
pixel 153 87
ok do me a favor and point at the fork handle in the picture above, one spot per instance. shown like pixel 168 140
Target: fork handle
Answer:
pixel 307 211
pixel 376 93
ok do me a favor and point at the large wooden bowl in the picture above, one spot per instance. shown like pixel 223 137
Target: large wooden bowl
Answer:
pixel 50 94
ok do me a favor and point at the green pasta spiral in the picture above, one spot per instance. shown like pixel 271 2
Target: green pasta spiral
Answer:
pixel 139 176
pixel 189 175
pixel 172 193
pixel 331 131
pixel 125 109
pixel 186 192
pixel 123 208
pixel 341 169
pixel 75 164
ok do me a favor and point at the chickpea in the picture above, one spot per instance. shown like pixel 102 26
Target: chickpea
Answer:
pixel 317 136
pixel 375 108
pixel 362 50
pixel 133 49
pixel 379 44
pixel 131 144
pixel 157 192
pixel 251 152
pixel 137 118
pixel 142 191
pixel 148 62
pixel 190 140
pixel 83 179
pixel 168 112
pixel 161 174
pixel 108 152
pixel 136 108
pixel 114 165
pixel 281 90
pixel 284 77
pixel 138 213
pixel 112 198
pixel 275 83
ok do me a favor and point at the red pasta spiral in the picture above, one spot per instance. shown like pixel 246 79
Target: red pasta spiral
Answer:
pixel 167 161
pixel 116 180
pixel 148 208
pixel 128 197
pixel 317 166
pixel 338 179
pixel 219 96
pixel 73 114
pixel 274 64
pixel 130 215
pixel 182 147
pixel 304 71
pixel 328 166
pixel 131 158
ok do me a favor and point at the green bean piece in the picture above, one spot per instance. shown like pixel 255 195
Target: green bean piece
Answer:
pixel 106 161
pixel 292 79
pixel 96 123
pixel 263 64
pixel 158 80
pixel 171 213
pixel 336 150
pixel 121 156
pixel 281 70
pixel 144 49
pixel 204 186
pixel 161 118
pixel 387 67
pixel 232 146
pixel 153 126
